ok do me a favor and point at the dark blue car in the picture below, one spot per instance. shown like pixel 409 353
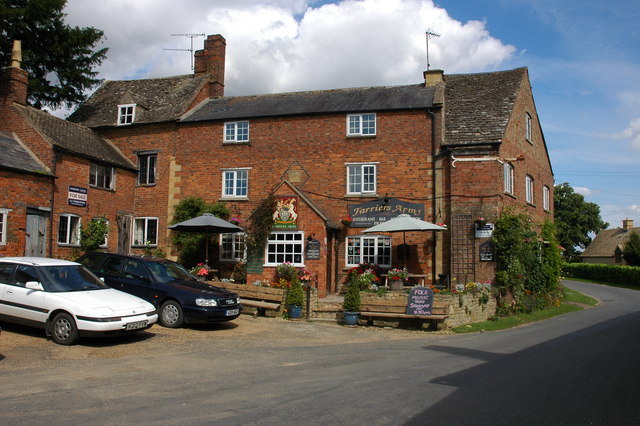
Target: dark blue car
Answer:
pixel 179 297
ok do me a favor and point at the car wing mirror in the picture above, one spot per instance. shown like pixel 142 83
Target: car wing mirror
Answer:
pixel 34 285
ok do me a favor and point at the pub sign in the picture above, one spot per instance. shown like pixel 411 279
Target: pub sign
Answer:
pixel 366 215
pixel 285 214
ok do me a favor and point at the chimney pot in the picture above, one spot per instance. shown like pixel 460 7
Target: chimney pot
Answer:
pixel 13 79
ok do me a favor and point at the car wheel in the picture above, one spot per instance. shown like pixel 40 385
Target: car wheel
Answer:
pixel 171 314
pixel 64 330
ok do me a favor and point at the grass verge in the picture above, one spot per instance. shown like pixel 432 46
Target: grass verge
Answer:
pixel 572 303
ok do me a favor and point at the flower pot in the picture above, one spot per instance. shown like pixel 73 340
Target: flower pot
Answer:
pixel 295 311
pixel 396 284
pixel 351 318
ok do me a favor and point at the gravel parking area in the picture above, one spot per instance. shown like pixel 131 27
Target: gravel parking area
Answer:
pixel 22 345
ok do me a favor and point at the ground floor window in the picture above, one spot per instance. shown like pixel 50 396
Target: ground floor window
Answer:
pixel 232 247
pixel 374 249
pixel 285 247
pixel 69 229
pixel 4 213
pixel 145 231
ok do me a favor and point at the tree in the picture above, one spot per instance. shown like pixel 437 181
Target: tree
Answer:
pixel 94 234
pixel 575 219
pixel 191 245
pixel 631 250
pixel 59 59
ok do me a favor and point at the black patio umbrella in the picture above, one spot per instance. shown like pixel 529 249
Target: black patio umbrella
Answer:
pixel 207 223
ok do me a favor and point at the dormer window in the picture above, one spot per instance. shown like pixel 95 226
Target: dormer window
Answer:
pixel 126 114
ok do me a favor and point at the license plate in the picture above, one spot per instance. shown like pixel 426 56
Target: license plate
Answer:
pixel 232 312
pixel 136 325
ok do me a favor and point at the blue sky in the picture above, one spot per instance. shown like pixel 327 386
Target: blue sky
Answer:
pixel 583 59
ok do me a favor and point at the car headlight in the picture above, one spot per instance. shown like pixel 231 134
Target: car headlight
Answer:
pixel 206 302
pixel 238 299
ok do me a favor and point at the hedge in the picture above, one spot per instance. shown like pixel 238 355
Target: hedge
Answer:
pixel 613 274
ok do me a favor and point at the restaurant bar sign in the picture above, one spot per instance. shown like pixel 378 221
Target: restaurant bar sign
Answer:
pixel 285 214
pixel 77 196
pixel 366 215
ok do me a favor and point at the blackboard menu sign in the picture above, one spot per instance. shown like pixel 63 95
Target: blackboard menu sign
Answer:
pixel 313 249
pixel 420 301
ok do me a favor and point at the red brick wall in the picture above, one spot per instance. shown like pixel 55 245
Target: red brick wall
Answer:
pixel 312 152
pixel 476 188
pixel 73 170
pixel 18 192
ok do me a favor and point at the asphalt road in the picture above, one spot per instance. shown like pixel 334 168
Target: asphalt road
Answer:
pixel 581 368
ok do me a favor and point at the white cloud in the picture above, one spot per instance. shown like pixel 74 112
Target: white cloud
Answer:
pixel 583 190
pixel 285 45
pixel 631 133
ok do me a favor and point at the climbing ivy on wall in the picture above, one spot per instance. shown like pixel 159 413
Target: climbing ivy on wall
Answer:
pixel 528 263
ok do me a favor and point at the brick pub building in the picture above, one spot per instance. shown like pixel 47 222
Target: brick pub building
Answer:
pixel 450 149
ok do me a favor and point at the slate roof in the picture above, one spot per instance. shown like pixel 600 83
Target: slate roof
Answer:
pixel 606 242
pixel 158 100
pixel 478 106
pixel 16 156
pixel 415 96
pixel 74 138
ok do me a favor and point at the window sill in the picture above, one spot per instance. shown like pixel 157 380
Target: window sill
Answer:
pixel 367 195
pixel 233 199
pixel 143 185
pixel 510 195
pixel 102 189
pixel 225 143
pixel 68 245
pixel 144 246
pixel 361 136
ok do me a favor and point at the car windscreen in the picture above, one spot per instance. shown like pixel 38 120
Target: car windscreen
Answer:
pixel 167 272
pixel 69 278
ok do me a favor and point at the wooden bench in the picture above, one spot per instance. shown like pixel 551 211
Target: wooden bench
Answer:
pixel 261 298
pixel 392 309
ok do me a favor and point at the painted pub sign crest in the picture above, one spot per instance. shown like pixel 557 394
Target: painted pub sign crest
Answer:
pixel 285 215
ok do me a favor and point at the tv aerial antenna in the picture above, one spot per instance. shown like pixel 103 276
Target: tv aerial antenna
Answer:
pixel 430 34
pixel 191 36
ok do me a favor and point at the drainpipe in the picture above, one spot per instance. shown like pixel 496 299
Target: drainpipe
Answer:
pixel 433 192
pixel 54 165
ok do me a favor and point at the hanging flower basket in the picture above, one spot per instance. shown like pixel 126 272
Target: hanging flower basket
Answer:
pixel 346 221
pixel 480 222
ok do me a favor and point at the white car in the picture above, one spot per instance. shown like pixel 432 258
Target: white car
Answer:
pixel 67 300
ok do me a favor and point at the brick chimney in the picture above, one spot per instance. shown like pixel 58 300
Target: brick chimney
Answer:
pixel 433 77
pixel 627 224
pixel 210 61
pixel 13 80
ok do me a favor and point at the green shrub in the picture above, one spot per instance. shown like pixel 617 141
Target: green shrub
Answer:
pixel 94 234
pixel 352 297
pixel 295 295
pixel 613 274
pixel 528 263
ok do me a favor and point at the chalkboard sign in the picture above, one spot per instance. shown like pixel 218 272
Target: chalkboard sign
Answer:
pixel 420 301
pixel 313 249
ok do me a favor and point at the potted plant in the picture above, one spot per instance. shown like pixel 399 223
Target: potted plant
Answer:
pixel 295 299
pixel 346 220
pixel 351 303
pixel 287 271
pixel 201 271
pixel 396 278
pixel 480 222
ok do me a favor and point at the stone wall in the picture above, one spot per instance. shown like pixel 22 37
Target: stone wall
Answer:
pixel 467 308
